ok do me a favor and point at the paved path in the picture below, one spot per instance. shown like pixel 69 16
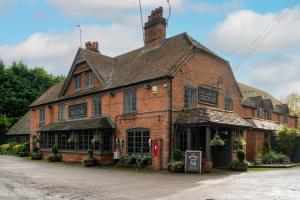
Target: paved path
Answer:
pixel 22 179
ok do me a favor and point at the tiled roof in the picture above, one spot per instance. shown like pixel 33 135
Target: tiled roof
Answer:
pixel 210 115
pixel 20 127
pixel 135 66
pixel 103 123
pixel 257 123
pixel 253 96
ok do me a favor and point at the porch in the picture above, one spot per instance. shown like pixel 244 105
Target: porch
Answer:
pixel 196 128
pixel 74 138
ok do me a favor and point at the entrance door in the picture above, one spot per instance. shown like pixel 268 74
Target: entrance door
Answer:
pixel 221 155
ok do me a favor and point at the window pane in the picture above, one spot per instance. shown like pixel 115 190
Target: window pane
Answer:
pixel 137 141
pixel 130 101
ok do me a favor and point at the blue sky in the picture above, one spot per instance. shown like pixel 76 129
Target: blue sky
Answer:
pixel 43 33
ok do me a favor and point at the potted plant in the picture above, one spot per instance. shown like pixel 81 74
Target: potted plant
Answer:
pixel 90 160
pixel 56 157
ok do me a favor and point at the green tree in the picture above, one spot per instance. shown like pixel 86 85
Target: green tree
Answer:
pixel 20 86
pixel 285 139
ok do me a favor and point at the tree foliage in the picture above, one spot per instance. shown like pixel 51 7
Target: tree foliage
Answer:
pixel 285 139
pixel 20 86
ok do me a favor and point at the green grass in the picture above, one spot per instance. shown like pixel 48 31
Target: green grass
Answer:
pixel 257 169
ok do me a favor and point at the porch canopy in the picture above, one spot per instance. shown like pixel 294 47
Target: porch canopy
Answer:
pixel 262 124
pixel 207 116
pixel 103 123
pixel 196 127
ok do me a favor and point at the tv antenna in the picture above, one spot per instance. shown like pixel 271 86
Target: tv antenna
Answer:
pixel 79 28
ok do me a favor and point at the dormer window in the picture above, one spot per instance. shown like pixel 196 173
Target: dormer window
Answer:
pixel 286 117
pixel 269 115
pixel 77 82
pixel 260 113
pixel 89 79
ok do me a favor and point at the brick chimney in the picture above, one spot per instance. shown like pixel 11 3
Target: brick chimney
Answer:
pixel 155 28
pixel 92 46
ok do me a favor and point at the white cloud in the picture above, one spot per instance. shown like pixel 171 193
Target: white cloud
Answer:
pixel 274 64
pixel 279 73
pixel 241 28
pixel 107 9
pixel 56 51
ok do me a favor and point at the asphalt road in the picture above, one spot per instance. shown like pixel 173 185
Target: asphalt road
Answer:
pixel 22 179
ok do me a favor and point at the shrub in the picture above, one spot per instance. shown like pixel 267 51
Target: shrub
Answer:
pixel 5 148
pixel 54 150
pixel 240 155
pixel 266 148
pixel 90 152
pixel 16 149
pixel 238 165
pixel 176 166
pixel 142 161
pixel 176 155
pixel 285 140
pixel 272 157
pixel 37 155
pixel 54 158
pixel 26 147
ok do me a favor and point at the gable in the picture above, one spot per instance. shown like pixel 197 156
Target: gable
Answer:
pixel 80 67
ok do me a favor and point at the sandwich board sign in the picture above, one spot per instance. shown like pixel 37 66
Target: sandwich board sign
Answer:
pixel 193 161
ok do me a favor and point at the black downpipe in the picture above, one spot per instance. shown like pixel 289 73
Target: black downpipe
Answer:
pixel 170 119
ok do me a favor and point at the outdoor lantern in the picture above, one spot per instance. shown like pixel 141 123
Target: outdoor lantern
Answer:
pixel 121 142
pixel 150 142
pixel 117 142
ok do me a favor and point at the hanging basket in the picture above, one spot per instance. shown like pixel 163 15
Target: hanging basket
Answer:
pixel 72 140
pixel 217 141
pixel 96 140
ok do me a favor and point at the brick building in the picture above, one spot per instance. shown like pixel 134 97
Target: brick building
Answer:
pixel 173 92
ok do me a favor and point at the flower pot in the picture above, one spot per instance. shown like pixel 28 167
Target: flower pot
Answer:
pixel 89 163
pixel 208 167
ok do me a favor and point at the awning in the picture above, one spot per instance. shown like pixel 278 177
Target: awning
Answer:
pixel 103 123
pixel 263 124
pixel 210 116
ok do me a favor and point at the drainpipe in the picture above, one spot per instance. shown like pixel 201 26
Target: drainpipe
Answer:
pixel 170 119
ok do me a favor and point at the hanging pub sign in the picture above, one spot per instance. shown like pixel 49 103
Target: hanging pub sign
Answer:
pixel 208 95
pixel 193 161
pixel 78 110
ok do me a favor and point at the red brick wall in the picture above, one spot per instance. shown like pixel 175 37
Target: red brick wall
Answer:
pixel 204 70
pixel 78 157
pixel 255 141
pixel 152 113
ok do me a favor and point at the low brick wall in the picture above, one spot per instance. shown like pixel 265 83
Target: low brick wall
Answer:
pixel 78 157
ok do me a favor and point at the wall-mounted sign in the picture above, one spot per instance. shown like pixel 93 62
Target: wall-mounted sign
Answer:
pixel 78 110
pixel 206 95
pixel 193 161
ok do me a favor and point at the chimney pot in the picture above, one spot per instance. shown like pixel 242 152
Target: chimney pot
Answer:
pixel 92 46
pixel 155 28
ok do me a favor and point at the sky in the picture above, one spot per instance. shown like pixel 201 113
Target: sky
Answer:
pixel 260 38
